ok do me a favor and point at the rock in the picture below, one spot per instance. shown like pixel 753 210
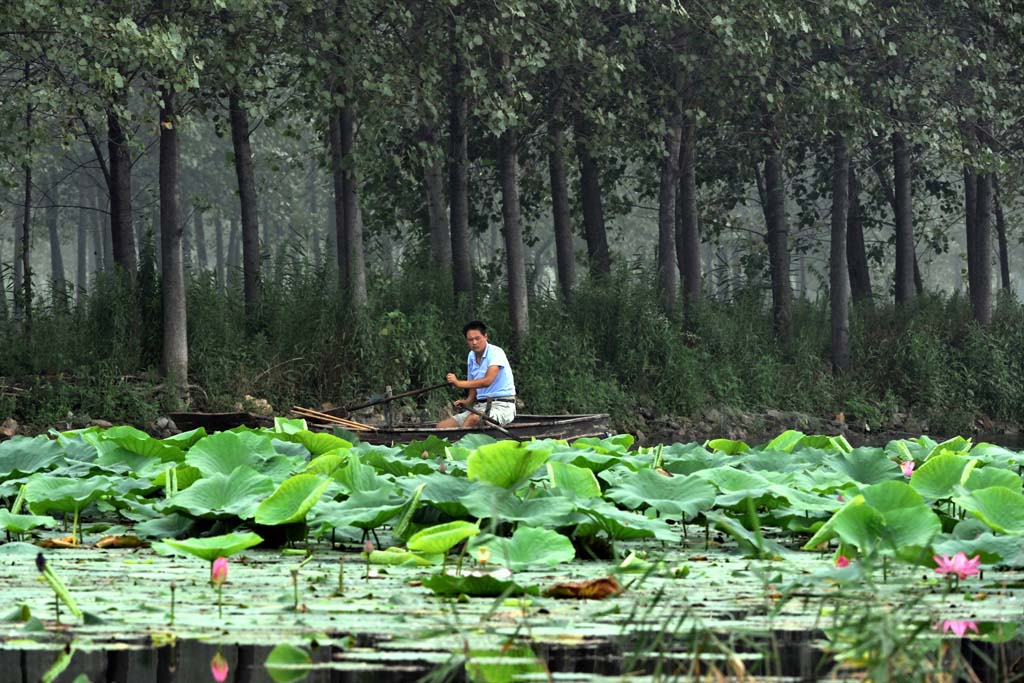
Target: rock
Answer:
pixel 162 423
pixel 101 423
pixel 9 427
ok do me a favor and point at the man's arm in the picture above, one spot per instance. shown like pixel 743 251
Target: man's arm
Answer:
pixel 485 381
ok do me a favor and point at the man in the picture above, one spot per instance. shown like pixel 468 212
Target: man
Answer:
pixel 492 391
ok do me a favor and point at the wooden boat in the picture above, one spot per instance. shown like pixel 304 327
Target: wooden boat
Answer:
pixel 568 427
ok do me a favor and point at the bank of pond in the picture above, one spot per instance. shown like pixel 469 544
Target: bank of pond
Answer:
pixel 280 553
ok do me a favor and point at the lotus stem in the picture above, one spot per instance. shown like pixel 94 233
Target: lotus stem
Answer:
pixel 220 601
pixel 74 528
pixel 341 575
pixel 172 602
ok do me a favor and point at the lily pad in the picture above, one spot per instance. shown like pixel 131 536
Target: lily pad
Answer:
pixel 507 464
pixel 292 500
pixel 442 537
pixel 210 548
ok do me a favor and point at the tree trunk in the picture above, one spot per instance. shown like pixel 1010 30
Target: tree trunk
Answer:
pixel 979 265
pixel 353 214
pixel 667 283
pixel 856 255
pixel 1004 249
pixel 839 281
pixel 970 216
pixel 58 280
pixel 82 241
pixel 687 230
pixel 234 255
pixel 175 339
pixel 26 246
pixel 341 244
pixel 120 190
pixel 433 188
pixel 18 269
pixel 904 218
pixel 458 175
pixel 561 217
pixel 199 224
pixel 590 197
pixel 106 238
pixel 219 256
pixel 514 251
pixel 777 239
pixel 250 213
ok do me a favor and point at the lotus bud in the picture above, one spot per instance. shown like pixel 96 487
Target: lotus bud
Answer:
pixel 219 668
pixel 483 554
pixel 219 571
pixel 442 467
pixel 368 547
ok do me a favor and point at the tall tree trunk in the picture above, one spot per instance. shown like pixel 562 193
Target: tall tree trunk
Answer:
pixel 26 241
pixel 590 197
pixel 219 257
pixel 199 223
pixel 121 232
pixel 458 173
pixel 249 204
pixel 58 279
pixel 564 256
pixel 234 255
pixel 342 249
pixel 856 254
pixel 82 241
pixel 904 217
pixel 687 223
pixel 514 252
pixel 353 214
pixel 18 269
pixel 1004 249
pixel 174 360
pixel 970 216
pixel 839 281
pixel 777 239
pixel 106 238
pixel 669 172
pixel 433 188
pixel 979 273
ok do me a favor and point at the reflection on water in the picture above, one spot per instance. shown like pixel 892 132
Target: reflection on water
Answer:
pixel 793 655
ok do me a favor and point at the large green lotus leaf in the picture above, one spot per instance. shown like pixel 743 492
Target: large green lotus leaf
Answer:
pixel 592 460
pixel 827 531
pixel 764 462
pixel 19 524
pixel 620 524
pixel 865 465
pixel 485 586
pixel 530 546
pixel 499 504
pixel 185 474
pixel 65 494
pixel 387 460
pixel 985 477
pixel 727 446
pixel 805 502
pixel 291 449
pixel 141 443
pixel 219 495
pixel 401 556
pixel 327 464
pixel 892 495
pixel 355 476
pixel 618 444
pixel 442 537
pixel 505 463
pixel 289 425
pixel 939 475
pixel 185 440
pixel 991 454
pixel 288 664
pixel 474 440
pixel 292 500
pixel 442 491
pixel 432 446
pixel 893 516
pixel 21 455
pixel 973 537
pixel 687 458
pixel 672 497
pixel 579 481
pixel 363 510
pixel 751 543
pixel 317 443
pixel 165 526
pixel 211 547
pixel 785 442
pixel 958 445
pixel 114 458
pixel 223 452
pixel 859 525
pixel 734 485
pixel 999 507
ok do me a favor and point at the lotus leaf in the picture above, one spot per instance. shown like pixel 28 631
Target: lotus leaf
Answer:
pixel 442 537
pixel 619 524
pixel 317 443
pixel 990 454
pixel 21 455
pixel 734 485
pixel 484 586
pixel 167 526
pixel 64 494
pixel 502 505
pixel 141 443
pixel 579 481
pixel 507 665
pixel 404 523
pixel 401 556
pixel 999 507
pixel 529 546
pixel 211 547
pixel 592 460
pixel 618 444
pixel 727 446
pixel 222 452
pixel 751 542
pixel 984 477
pixel 940 474
pixel 391 461
pixel 219 495
pixel 865 465
pixel 443 492
pixel 356 476
pixel 785 442
pixel 288 664
pixel 507 464
pixel 672 497
pixel 185 440
pixel 19 524
pixel 973 537
pixel 432 446
pixel 958 445
pixel 292 500
pixel 363 510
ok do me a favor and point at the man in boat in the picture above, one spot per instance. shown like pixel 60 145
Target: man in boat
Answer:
pixel 492 391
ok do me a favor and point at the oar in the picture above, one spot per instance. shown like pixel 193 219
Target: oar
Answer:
pixel 324 417
pixel 494 423
pixel 404 394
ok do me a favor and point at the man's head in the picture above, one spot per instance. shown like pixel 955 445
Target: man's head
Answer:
pixel 476 335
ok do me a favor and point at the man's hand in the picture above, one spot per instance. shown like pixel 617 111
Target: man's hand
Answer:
pixel 461 403
pixel 452 379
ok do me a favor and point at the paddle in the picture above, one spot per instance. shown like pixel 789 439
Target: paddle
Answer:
pixel 404 394
pixel 494 423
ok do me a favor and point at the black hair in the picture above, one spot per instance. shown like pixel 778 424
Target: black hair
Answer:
pixel 474 325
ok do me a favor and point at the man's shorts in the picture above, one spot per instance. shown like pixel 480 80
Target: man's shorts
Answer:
pixel 502 412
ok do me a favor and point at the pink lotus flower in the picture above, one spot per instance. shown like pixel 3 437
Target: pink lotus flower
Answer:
pixel 842 561
pixel 840 498
pixel 957 627
pixel 907 467
pixel 958 564
pixel 219 571
pixel 219 668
